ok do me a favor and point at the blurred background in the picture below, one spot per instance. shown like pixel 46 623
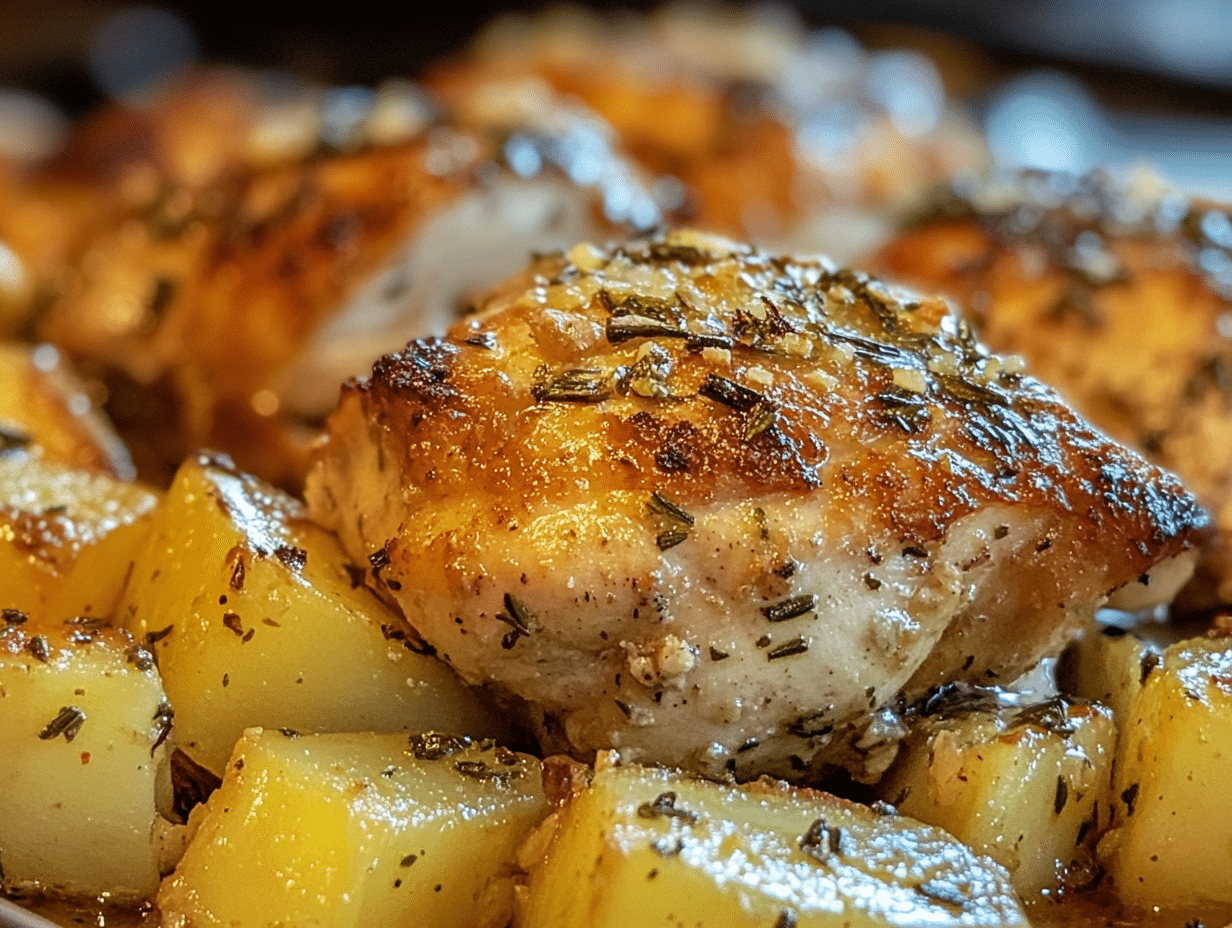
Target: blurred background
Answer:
pixel 1066 84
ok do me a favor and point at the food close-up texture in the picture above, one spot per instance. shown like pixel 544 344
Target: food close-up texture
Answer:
pixel 673 468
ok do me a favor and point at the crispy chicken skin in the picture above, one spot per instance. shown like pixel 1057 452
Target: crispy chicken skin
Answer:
pixel 212 314
pixel 729 511
pixel 1116 294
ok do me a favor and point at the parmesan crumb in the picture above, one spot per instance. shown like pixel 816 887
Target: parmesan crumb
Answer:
pixel 910 378
pixel 717 356
pixel 797 345
pixel 759 376
pixel 820 379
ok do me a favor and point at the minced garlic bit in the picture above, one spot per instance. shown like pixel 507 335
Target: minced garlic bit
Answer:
pixel 717 356
pixel 796 345
pixel 910 378
pixel 759 376
pixel 819 379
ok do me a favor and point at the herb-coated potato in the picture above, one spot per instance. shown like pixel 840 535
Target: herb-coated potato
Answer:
pixel 648 847
pixel 1027 786
pixel 257 618
pixel 358 830
pixel 1172 842
pixel 81 717
pixel 67 537
pixel 1107 665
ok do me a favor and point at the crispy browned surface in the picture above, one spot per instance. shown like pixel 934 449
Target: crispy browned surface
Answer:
pixel 196 306
pixel 732 383
pixel 1124 322
pixel 1025 446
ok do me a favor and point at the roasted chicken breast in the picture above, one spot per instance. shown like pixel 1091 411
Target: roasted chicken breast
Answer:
pixel 790 137
pixel 216 314
pixel 730 511
pixel 1118 293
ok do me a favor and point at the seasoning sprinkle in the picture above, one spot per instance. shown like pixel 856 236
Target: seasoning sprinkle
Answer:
pixel 622 328
pixel 1150 661
pixel 379 559
pixel 1052 716
pixel 1062 796
pixel 813 725
pixel 790 608
pixel 668 251
pixel 729 393
pixel 294 558
pixel 660 504
pixel 165 717
pixel 698 342
pixel 482 340
pixel 191 784
pixel 13 617
pixel 762 417
pixel 478 770
pixel 67 722
pixel 795 646
pixel 573 386
pixel 903 409
pixel 433 745
pixel 664 806
pixel 671 538
pixel 822 841
pixel 39 649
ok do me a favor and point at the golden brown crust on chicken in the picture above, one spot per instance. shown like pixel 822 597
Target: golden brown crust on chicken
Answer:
pixel 206 307
pixel 1119 299
pixel 632 466
pixel 196 309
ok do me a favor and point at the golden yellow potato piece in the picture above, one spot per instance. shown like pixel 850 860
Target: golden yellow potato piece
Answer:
pixel 82 716
pixel 44 406
pixel 648 847
pixel 257 618
pixel 358 830
pixel 1172 845
pixel 1027 787
pixel 67 538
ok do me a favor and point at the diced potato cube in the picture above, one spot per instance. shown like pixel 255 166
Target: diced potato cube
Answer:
pixel 648 847
pixel 1107 665
pixel 258 619
pixel 358 830
pixel 1172 843
pixel 1024 786
pixel 81 713
pixel 44 406
pixel 67 538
